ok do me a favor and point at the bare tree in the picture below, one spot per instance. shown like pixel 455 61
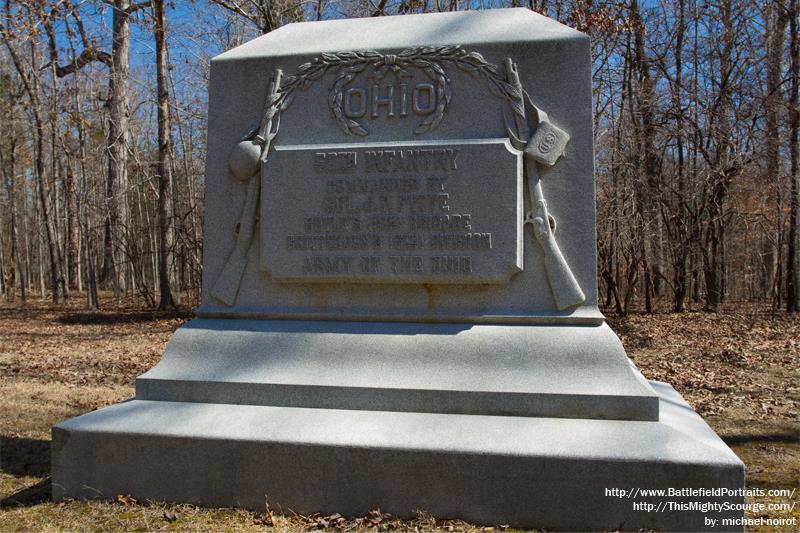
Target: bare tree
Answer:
pixel 29 75
pixel 118 147
pixel 163 174
pixel 8 163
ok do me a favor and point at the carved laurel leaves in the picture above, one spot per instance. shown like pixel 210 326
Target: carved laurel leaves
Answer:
pixel 336 96
pixel 429 60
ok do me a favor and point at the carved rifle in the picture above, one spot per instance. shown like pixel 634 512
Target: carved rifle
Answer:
pixel 544 146
pixel 226 287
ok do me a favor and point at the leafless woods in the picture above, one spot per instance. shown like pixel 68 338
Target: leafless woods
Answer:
pixel 697 124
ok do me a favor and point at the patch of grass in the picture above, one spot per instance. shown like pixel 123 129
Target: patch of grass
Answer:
pixel 105 516
pixel 30 408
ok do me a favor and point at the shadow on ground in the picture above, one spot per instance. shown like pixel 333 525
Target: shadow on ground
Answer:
pixel 786 438
pixel 22 458
pixel 33 495
pixel 25 457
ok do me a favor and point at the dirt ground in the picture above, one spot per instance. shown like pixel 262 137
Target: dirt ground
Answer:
pixel 738 369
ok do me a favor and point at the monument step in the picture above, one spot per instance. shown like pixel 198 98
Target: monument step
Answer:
pixel 408 367
pixel 551 473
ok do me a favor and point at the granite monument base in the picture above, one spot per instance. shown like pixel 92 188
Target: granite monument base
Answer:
pixel 310 450
pixel 549 473
pixel 565 371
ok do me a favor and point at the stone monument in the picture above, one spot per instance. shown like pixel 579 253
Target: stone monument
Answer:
pixel 399 298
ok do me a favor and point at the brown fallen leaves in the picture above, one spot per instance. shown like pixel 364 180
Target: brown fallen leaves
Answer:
pixel 375 520
pixel 71 346
pixel 126 499
pixel 739 363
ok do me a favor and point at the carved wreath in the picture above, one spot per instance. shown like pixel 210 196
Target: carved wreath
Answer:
pixel 427 59
pixel 544 146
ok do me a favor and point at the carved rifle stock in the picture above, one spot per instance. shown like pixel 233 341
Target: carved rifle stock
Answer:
pixel 544 146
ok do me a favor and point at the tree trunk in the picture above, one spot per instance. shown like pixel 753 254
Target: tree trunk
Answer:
pixel 773 107
pixel 722 168
pixel 57 281
pixel 71 216
pixel 680 226
pixel 82 213
pixel 792 274
pixel 165 243
pixel 648 160
pixel 8 158
pixel 115 229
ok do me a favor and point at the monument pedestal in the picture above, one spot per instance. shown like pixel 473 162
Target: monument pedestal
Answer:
pixel 399 304
pixel 517 370
pixel 551 473
pixel 251 426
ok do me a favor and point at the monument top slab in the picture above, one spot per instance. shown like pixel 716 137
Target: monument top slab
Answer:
pixel 496 26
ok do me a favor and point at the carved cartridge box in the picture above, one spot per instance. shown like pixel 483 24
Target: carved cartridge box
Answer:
pixel 364 176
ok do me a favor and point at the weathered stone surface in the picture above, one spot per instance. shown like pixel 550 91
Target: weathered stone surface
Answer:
pixel 443 368
pixel 440 212
pixel 374 103
pixel 547 473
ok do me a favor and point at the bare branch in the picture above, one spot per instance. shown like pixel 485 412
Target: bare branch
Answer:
pixel 89 54
pixel 136 6
pixel 379 8
pixel 265 26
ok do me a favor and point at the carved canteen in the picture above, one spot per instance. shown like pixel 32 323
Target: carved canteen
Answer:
pixel 245 160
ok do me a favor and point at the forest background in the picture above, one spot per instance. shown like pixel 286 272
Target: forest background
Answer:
pixel 102 146
pixel 696 125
